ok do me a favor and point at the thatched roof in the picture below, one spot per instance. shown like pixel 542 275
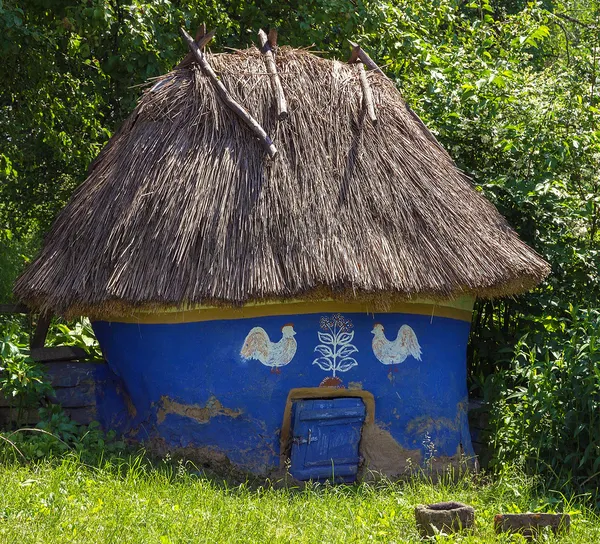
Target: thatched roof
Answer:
pixel 184 207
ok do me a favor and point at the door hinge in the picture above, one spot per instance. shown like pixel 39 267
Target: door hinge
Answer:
pixel 299 440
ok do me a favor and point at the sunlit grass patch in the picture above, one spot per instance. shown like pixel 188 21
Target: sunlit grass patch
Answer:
pixel 132 500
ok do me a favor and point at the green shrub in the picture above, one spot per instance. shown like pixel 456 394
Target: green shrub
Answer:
pixel 546 403
pixel 22 381
pixel 78 333
pixel 24 386
pixel 55 435
pixel 13 334
pixel 15 253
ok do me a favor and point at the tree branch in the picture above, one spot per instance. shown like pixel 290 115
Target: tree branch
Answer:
pixel 575 20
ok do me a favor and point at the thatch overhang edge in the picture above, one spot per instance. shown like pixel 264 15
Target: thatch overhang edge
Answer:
pixel 112 309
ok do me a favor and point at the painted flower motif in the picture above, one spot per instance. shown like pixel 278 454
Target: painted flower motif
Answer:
pixel 336 321
pixel 335 348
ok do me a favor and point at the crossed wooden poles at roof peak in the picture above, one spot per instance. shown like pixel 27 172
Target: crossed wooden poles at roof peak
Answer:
pixel 267 45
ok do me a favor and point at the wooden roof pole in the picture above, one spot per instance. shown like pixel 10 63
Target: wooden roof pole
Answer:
pixel 189 58
pixel 38 339
pixel 354 54
pixel 204 39
pixel 266 46
pixel 358 56
pixel 367 93
pixel 200 32
pixel 238 109
pixel 359 53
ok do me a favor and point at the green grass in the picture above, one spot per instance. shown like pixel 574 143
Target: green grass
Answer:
pixel 134 501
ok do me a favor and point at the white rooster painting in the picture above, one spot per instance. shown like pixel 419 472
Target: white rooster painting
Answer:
pixel 394 352
pixel 258 346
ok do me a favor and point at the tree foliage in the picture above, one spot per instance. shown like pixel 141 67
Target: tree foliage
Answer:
pixel 545 414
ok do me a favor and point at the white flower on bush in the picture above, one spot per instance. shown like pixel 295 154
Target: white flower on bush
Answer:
pixel 336 347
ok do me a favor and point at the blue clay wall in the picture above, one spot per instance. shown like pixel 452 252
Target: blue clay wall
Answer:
pixel 191 386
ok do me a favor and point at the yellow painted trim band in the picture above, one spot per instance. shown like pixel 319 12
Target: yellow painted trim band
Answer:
pixel 290 308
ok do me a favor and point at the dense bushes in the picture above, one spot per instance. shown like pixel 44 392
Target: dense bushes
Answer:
pixel 79 334
pixel 26 389
pixel 22 382
pixel 56 434
pixel 546 403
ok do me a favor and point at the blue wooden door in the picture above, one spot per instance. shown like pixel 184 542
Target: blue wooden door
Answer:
pixel 325 438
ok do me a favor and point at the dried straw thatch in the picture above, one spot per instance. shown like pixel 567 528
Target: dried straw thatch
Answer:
pixel 184 207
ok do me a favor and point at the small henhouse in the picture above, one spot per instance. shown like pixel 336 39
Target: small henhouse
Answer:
pixel 280 263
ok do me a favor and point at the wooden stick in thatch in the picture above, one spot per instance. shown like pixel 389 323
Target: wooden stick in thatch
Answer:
pixel 202 38
pixel 354 54
pixel 358 50
pixel 359 53
pixel 266 47
pixel 227 98
pixel 200 32
pixel 367 93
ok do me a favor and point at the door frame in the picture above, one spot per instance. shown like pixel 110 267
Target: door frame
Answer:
pixel 304 393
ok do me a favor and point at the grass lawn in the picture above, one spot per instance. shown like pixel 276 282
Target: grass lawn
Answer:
pixel 132 501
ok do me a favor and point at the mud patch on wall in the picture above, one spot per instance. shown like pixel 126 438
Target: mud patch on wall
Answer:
pixel 208 460
pixel 201 414
pixel 383 455
pixel 423 425
pixel 131 409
